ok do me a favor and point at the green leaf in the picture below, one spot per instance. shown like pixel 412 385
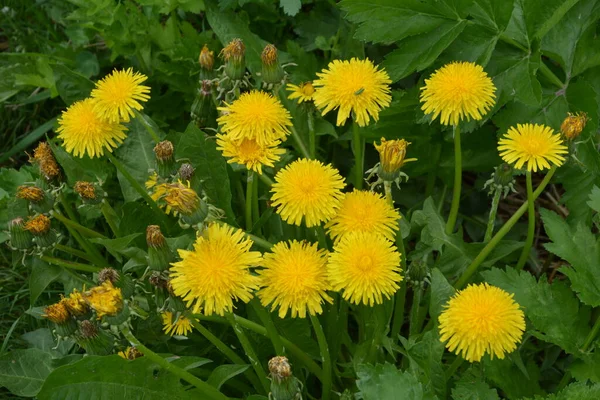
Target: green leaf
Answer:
pixel 111 377
pixel 580 248
pixel 426 355
pixel 514 382
pixel 541 15
pixel 492 14
pixel 71 85
pixel 441 291
pixel 385 382
pixel 553 309
pixel 594 197
pixel 211 167
pixel 80 168
pixel 575 391
pixel 473 389
pixel 223 373
pixel 42 339
pixel 586 368
pixel 290 7
pixel 42 274
pixel 28 139
pixel 23 371
pixel 121 247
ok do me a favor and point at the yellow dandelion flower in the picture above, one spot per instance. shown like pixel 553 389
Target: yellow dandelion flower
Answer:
pixel 57 313
pixel 303 92
pixel 105 299
pixel 130 353
pixel 119 93
pixel 181 327
pixel 30 193
pixel 295 279
pixel 355 86
pixel 480 319
pixel 574 124
pixel 217 271
pixel 364 211
pixel 176 198
pixel 307 189
pixel 249 152
pixel 458 91
pixel 75 303
pixel 83 131
pixel 534 144
pixel 255 115
pixel 38 225
pixel 366 266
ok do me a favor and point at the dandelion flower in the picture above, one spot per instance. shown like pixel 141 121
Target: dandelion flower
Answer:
pixel 255 115
pixel 38 225
pixel 366 266
pixel 105 299
pixel 458 91
pixel 249 152
pixel 57 313
pixel 84 131
pixel 354 86
pixel 295 279
pixel 75 303
pixel 216 271
pixel 574 124
pixel 303 92
pixel 534 144
pixel 119 94
pixel 480 319
pixel 177 197
pixel 130 353
pixel 307 189
pixel 181 327
pixel 364 211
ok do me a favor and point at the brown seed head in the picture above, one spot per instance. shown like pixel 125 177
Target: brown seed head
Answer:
pixel 574 124
pixel 88 329
pixel 164 151
pixel 30 193
pixel 57 313
pixel 280 368
pixel 186 171
pixel 269 55
pixel 154 237
pixel 86 190
pixel 108 274
pixel 38 225
pixel 206 59
pixel 234 51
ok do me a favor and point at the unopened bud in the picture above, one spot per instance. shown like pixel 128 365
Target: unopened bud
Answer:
pixel 272 73
pixel 159 254
pixel 284 385
pixel 59 314
pixel 108 274
pixel 234 57
pixel 88 192
pixel 203 108
pixel 164 157
pixel 39 201
pixel 418 273
pixel 40 228
pixel 95 341
pixel 207 63
pixel 20 238
pixel 502 180
pixel 574 124
pixel 392 157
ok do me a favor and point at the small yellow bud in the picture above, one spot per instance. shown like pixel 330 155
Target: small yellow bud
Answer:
pixel 392 155
pixel 234 51
pixel 206 58
pixel 574 124
pixel 269 55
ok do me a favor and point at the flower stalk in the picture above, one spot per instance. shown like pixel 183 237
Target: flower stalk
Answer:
pixel 325 357
pixel 457 182
pixel 531 224
pixel 492 219
pixel 358 147
pixel 249 195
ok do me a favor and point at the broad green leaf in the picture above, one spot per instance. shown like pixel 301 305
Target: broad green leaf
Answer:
pixel 441 291
pixel 121 246
pixel 580 248
pixel 385 382
pixel 111 377
pixel 473 389
pixel 23 371
pixel 137 155
pixel 290 7
pixel 211 167
pixel 586 367
pixel 42 274
pixel 594 197
pixel 42 339
pixel 510 379
pixel 81 168
pixel 427 355
pixel 223 373
pixel 71 85
pixel 492 14
pixel 542 15
pixel 553 309
pixel 575 391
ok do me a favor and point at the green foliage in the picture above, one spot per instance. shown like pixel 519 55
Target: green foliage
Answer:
pixel 385 382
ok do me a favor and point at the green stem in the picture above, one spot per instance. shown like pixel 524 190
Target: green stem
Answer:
pixel 325 357
pixel 148 127
pixel 250 352
pixel 267 321
pixel 492 219
pixel 204 387
pixel 414 311
pixel 70 264
pixel 358 146
pixel 111 217
pixel 255 206
pixel 259 241
pixel 299 143
pixel 531 225
pixel 457 182
pixel 387 185
pixel 591 336
pixel 265 179
pixel 398 321
pixel 138 188
pixel 80 228
pixel 547 72
pixel 312 137
pixel 80 278
pixel 454 366
pixel 321 237
pixel 94 256
pixel 73 252
pixel 472 268
pixel 248 209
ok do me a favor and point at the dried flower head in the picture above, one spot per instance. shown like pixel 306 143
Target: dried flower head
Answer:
pixel 280 368
pixel 43 156
pixel 574 124
pixel 108 274
pixel 186 171
pixel 154 236
pixel 86 190
pixel 206 58
pixel 88 329
pixel 234 51
pixel 38 225
pixel 57 313
pixel 164 151
pixel 30 193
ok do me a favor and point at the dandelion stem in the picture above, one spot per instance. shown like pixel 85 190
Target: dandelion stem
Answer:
pixel 208 390
pixel 358 147
pixel 472 268
pixel 110 216
pixel 260 242
pixel 265 179
pixel 457 182
pixel 73 252
pixel 255 206
pixel 325 357
pixel 250 352
pixel 76 226
pixel 387 185
pixel 414 312
pixel 299 143
pixel 265 317
pixel 321 237
pixel 591 336
pixel 312 137
pixel 531 224
pixel 454 366
pixel 492 219
pixel 148 127
pixel 249 187
pixel 70 264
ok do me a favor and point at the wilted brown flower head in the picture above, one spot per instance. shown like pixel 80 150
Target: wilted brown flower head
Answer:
pixel 154 237
pixel 280 368
pixel 30 193
pixel 38 225
pixel 108 274
pixel 57 313
pixel 42 155
pixel 207 58
pixel 86 190
pixel 164 151
pixel 574 124
pixel 234 51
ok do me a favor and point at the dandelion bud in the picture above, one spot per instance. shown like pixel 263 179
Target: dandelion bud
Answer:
pixel 75 303
pixel 157 280
pixel 181 199
pixel 418 273
pixel 44 158
pixel 574 124
pixel 502 180
pixel 159 254
pixel 164 157
pixel 234 57
pixel 108 274
pixel 392 155
pixel 131 353
pixel 95 341
pixel 272 72
pixel 203 107
pixel 40 228
pixel 38 200
pixel 59 314
pixel 186 172
pixel 88 192
pixel 284 385
pixel 20 238
pixel 207 62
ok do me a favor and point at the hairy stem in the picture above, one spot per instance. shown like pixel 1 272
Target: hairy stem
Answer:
pixel 325 357
pixel 531 224
pixel 457 182
pixel 358 147
pixel 492 219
